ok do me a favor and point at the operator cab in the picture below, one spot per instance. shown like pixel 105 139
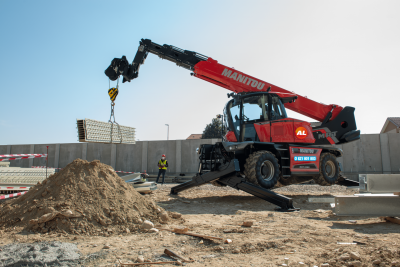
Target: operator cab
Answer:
pixel 244 110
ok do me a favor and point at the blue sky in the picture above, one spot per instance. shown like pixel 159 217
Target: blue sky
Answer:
pixel 53 55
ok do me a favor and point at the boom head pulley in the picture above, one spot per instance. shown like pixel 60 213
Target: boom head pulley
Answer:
pixel 183 58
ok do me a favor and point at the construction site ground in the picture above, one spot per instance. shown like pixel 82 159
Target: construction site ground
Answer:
pixel 310 235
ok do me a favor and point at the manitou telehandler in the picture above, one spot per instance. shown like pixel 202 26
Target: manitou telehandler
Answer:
pixel 263 148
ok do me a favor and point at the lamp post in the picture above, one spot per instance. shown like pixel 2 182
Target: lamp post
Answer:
pixel 167 131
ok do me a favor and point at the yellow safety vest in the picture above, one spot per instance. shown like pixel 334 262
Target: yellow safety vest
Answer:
pixel 162 163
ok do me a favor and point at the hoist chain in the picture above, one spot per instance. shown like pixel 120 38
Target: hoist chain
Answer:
pixel 112 116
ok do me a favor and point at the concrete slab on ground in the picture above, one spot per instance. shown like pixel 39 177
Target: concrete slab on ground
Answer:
pixel 321 199
pixel 368 205
pixel 380 183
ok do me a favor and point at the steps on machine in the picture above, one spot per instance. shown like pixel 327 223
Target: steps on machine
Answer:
pixel 285 161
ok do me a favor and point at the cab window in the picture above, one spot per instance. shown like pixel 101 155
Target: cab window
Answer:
pixel 277 109
pixel 235 113
pixel 254 108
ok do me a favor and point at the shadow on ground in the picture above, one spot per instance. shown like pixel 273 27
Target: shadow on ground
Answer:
pixel 371 228
pixel 230 204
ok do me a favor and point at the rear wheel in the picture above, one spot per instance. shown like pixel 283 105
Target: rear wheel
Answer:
pixel 329 171
pixel 262 168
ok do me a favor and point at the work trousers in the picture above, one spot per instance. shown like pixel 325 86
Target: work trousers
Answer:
pixel 161 171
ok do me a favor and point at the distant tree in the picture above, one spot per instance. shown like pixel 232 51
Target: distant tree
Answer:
pixel 213 130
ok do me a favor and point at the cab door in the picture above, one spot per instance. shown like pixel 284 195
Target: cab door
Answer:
pixel 253 112
pixel 233 117
pixel 281 126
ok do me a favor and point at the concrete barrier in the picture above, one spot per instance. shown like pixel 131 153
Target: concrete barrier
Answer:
pixel 380 183
pixel 368 205
pixel 373 153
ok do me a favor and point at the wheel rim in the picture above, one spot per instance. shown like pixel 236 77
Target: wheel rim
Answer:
pixel 267 170
pixel 330 169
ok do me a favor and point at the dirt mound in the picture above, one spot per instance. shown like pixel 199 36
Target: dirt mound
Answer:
pixel 83 198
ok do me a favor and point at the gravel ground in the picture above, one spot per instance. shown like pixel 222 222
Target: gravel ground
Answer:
pixel 44 254
pixel 298 188
pixel 305 236
pixel 314 188
pixel 38 254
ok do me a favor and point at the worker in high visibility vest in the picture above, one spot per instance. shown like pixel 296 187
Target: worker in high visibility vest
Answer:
pixel 162 168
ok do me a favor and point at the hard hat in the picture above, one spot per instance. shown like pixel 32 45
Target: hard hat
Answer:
pixel 163 155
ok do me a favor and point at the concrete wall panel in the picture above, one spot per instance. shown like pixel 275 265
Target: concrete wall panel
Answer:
pixel 385 152
pixel 394 146
pixel 371 151
pixel 178 157
pixel 20 149
pixel 70 152
pixel 41 149
pixel 57 156
pixel 145 146
pixel 129 157
pixel 113 155
pixel 99 151
pixel 171 156
pixel 3 150
pixel 190 159
pixel 351 153
pixel 363 156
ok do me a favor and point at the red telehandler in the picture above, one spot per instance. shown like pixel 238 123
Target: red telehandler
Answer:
pixel 263 148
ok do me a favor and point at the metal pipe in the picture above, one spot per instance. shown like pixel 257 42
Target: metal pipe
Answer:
pixel 167 131
pixel 47 162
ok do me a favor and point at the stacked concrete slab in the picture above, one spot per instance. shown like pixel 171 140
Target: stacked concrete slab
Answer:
pixel 27 176
pixel 4 164
pixel 104 132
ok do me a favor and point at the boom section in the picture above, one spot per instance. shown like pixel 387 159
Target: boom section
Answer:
pixel 239 82
pixel 210 70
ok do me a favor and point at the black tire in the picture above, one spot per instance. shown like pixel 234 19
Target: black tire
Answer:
pixel 262 168
pixel 329 171
pixel 249 169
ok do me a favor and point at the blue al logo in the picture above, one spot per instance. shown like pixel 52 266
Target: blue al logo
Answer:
pixel 313 158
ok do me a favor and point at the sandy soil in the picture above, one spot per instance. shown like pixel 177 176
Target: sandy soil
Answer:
pixel 304 236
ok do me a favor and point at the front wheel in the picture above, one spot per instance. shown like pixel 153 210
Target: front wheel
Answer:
pixel 329 171
pixel 262 168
